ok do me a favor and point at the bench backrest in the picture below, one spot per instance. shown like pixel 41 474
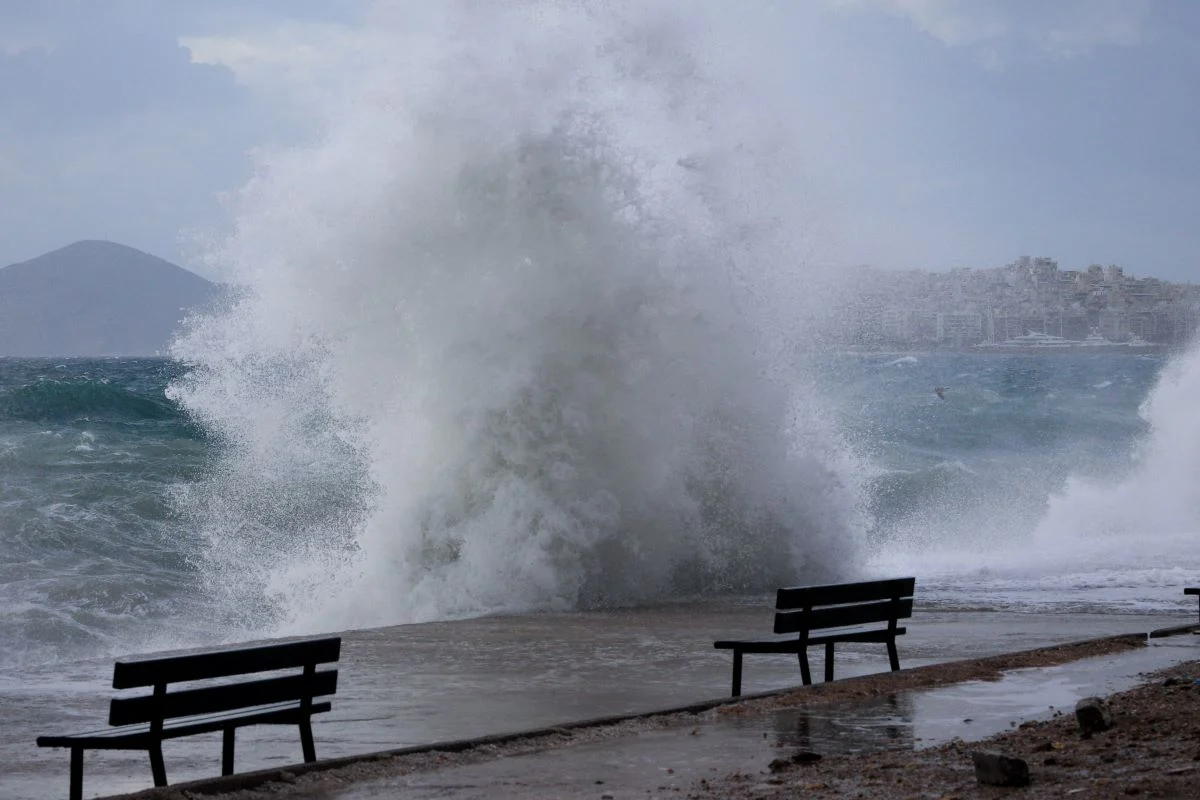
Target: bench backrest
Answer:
pixel 159 672
pixel 807 608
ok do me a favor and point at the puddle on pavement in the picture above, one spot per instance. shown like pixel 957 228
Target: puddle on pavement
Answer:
pixel 970 710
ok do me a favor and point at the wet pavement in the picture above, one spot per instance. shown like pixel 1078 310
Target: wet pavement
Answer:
pixel 665 763
pixel 417 684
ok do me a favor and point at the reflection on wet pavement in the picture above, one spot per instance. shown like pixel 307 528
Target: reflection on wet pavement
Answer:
pixel 872 724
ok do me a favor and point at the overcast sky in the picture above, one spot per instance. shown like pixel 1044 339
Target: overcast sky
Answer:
pixel 940 133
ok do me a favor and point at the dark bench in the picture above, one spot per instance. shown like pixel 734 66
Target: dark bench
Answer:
pixel 845 612
pixel 1192 590
pixel 143 722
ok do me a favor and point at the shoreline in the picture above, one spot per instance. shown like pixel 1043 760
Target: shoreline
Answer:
pixel 344 773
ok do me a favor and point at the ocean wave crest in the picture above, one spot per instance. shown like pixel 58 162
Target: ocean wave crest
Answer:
pixel 84 399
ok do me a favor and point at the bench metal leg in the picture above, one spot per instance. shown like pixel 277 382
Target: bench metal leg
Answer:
pixel 306 741
pixel 737 673
pixel 156 764
pixel 893 656
pixel 828 662
pixel 227 741
pixel 805 674
pixel 76 773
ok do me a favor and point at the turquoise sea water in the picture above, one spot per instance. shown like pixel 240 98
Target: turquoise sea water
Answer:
pixel 92 557
pixel 986 495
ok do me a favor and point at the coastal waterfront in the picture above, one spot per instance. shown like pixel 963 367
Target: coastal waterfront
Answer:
pixel 531 354
pixel 1013 499
pixel 1094 344
pixel 1030 299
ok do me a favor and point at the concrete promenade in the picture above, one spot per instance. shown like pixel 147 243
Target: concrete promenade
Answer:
pixel 657 755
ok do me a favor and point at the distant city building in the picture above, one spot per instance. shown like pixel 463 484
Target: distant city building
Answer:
pixel 1032 295
pixel 960 329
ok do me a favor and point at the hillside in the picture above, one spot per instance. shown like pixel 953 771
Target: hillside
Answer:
pixel 95 298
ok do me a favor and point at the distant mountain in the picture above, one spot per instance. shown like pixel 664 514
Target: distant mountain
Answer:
pixel 95 298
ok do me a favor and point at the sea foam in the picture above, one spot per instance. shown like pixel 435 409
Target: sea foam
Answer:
pixel 517 333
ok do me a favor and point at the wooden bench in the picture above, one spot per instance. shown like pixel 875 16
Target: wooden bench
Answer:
pixel 1192 590
pixel 143 722
pixel 850 612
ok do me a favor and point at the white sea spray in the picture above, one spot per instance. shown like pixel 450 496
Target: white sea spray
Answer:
pixel 518 332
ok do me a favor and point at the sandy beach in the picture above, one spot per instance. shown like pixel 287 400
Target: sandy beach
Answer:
pixel 1152 749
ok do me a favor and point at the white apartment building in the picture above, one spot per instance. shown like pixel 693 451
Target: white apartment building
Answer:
pixel 960 328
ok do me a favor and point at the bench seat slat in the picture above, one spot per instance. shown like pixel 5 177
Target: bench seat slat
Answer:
pixel 843 616
pixel 792 645
pixel 247 694
pixel 138 737
pixel 840 593
pixel 225 663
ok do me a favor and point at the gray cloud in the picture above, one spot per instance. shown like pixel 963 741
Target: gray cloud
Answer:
pixel 1000 30
pixel 89 79
pixel 68 64
pixel 1080 147
pixel 110 129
